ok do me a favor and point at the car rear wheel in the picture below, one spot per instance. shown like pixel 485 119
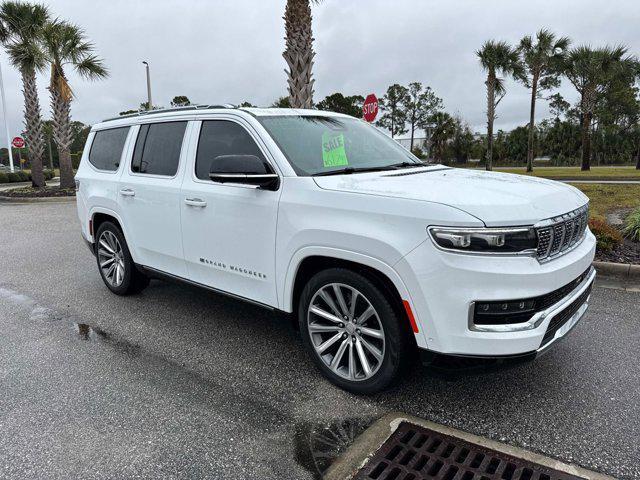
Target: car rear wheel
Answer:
pixel 351 330
pixel 115 264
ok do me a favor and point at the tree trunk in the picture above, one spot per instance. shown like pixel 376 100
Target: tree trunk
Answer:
pixel 638 157
pixel 532 119
pixel 299 52
pixel 412 132
pixel 33 127
pixel 491 93
pixel 393 113
pixel 586 141
pixel 61 109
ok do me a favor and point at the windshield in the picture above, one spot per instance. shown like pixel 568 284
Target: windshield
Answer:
pixel 318 145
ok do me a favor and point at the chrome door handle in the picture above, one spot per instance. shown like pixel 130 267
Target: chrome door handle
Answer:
pixel 127 192
pixel 195 202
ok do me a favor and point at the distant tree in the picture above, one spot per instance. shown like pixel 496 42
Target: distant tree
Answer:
pixel 443 130
pixel 394 116
pixel 419 104
pixel 21 25
pixel 595 73
pixel 462 143
pixel 65 45
pixel 497 58
pixel 282 102
pixel 180 101
pixel 128 112
pixel 558 105
pixel 246 104
pixel 337 102
pixel 542 60
pixel 299 52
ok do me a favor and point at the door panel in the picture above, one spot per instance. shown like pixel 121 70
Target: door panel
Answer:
pixel 228 230
pixel 150 201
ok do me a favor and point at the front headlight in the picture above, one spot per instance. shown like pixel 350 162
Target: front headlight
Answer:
pixel 519 240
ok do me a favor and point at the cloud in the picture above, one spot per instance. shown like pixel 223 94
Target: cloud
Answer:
pixel 231 51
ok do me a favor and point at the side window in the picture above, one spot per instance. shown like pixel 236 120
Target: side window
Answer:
pixel 106 148
pixel 158 148
pixel 220 137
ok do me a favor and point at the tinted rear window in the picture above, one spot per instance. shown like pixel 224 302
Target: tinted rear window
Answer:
pixel 158 148
pixel 220 137
pixel 106 148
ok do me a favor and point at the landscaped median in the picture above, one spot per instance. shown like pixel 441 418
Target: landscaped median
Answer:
pixel 33 195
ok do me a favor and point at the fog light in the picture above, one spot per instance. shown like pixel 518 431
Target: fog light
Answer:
pixel 500 308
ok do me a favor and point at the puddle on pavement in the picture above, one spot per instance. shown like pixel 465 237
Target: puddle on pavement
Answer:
pixel 317 446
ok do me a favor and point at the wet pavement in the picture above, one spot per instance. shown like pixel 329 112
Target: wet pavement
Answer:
pixel 181 383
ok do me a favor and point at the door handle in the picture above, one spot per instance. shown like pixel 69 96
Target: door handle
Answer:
pixel 127 192
pixel 195 202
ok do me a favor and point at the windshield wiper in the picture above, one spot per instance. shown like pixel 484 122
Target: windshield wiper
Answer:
pixel 348 170
pixel 408 165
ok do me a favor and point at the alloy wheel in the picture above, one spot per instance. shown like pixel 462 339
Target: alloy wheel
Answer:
pixel 111 258
pixel 346 331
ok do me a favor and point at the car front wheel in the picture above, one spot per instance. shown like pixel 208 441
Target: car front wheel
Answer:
pixel 351 330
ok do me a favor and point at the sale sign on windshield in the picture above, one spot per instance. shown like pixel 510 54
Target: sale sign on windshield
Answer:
pixel 370 108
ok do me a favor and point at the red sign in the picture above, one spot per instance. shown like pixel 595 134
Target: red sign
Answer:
pixel 370 108
pixel 18 142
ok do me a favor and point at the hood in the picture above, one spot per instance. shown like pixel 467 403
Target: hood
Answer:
pixel 498 199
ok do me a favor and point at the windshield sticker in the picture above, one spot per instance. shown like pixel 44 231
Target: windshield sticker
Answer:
pixel 333 153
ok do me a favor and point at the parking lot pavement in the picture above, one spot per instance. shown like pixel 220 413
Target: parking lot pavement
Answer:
pixel 181 383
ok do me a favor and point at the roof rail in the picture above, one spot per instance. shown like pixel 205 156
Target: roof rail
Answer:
pixel 142 113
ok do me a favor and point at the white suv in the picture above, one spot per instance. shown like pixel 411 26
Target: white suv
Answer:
pixel 321 215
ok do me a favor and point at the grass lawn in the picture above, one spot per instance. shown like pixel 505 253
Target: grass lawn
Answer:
pixel 605 198
pixel 604 173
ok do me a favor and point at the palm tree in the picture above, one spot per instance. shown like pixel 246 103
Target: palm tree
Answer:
pixel 497 58
pixel 593 73
pixel 66 45
pixel 22 24
pixel 299 52
pixel 542 61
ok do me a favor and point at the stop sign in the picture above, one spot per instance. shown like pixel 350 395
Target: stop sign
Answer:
pixel 18 142
pixel 370 107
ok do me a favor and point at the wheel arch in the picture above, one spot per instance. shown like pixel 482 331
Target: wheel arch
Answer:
pixel 100 215
pixel 309 261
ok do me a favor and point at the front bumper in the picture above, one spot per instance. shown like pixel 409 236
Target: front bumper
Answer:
pixel 444 286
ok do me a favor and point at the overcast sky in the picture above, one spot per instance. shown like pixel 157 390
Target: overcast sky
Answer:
pixel 219 51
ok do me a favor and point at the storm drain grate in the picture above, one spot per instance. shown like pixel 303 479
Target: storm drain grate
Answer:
pixel 414 452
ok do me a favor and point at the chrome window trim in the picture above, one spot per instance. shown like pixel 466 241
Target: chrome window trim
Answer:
pixel 536 320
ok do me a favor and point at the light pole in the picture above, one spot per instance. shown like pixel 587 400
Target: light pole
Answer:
pixel 149 104
pixel 6 123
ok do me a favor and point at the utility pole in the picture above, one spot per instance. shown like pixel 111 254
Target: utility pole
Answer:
pixel 6 123
pixel 149 103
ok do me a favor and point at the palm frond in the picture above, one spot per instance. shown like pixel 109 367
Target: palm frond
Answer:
pixel 91 68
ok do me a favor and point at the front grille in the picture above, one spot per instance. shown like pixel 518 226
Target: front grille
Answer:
pixel 414 452
pixel 564 316
pixel 559 234
pixel 539 303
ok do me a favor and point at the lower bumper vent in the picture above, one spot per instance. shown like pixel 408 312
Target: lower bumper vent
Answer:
pixel 414 452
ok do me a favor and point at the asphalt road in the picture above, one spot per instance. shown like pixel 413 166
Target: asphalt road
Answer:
pixel 181 383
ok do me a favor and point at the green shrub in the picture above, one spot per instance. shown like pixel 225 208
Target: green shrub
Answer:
pixel 48 174
pixel 24 176
pixel 607 237
pixel 417 151
pixel 4 178
pixel 632 225
pixel 13 177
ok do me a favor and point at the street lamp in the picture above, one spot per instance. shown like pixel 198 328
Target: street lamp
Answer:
pixel 149 104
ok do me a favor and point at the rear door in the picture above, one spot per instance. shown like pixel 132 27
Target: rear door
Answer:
pixel 150 199
pixel 229 230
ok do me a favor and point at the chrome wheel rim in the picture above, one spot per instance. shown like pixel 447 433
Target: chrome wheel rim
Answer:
pixel 346 332
pixel 111 258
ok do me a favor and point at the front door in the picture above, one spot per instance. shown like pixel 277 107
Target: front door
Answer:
pixel 228 230
pixel 149 197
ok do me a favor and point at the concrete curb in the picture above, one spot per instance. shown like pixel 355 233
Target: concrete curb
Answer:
pixel 4 199
pixel 357 455
pixel 623 276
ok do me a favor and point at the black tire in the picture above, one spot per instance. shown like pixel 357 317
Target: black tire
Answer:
pixel 133 280
pixel 397 347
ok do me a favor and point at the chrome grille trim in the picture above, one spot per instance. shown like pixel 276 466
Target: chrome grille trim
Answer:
pixel 558 235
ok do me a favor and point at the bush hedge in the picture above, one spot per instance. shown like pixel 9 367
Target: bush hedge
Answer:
pixel 21 176
pixel 607 237
pixel 632 226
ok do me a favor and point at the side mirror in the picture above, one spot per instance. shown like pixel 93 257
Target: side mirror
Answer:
pixel 243 169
